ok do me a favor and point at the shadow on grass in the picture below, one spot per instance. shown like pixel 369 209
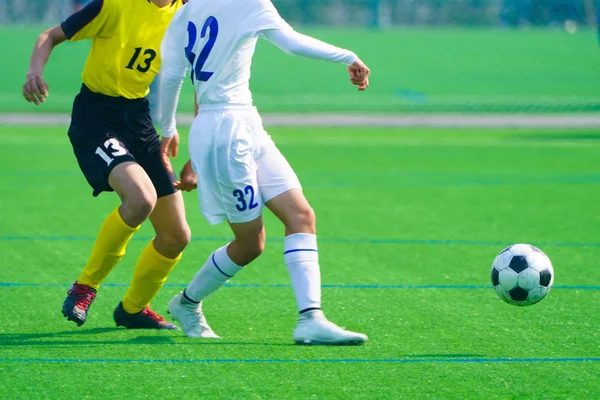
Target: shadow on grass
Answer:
pixel 77 338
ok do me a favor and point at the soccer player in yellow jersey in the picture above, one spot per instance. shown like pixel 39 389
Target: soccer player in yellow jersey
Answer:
pixel 118 149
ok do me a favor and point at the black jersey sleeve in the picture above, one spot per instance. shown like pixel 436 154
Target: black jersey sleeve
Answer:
pixel 82 18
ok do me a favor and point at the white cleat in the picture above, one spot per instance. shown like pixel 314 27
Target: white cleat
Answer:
pixel 191 318
pixel 313 328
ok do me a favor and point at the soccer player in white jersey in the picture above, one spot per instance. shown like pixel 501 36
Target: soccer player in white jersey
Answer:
pixel 239 169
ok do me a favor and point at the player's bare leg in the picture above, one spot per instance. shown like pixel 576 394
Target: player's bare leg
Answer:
pixel 301 258
pixel 158 259
pixel 138 197
pixel 222 265
pixel 137 193
pixel 172 230
pixel 249 242
pixel 139 201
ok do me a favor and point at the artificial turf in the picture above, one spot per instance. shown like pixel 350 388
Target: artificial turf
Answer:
pixel 409 222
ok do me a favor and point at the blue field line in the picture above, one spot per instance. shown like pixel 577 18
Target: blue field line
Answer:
pixel 324 286
pixel 388 179
pixel 432 242
pixel 302 361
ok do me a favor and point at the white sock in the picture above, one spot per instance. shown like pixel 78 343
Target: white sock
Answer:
pixel 302 260
pixel 215 272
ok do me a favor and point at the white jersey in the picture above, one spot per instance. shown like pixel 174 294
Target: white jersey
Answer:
pixel 222 36
pixel 215 40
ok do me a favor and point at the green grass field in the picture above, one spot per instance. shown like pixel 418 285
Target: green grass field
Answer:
pixel 413 70
pixel 409 223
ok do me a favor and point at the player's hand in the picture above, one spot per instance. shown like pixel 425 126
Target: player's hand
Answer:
pixel 359 74
pixel 168 149
pixel 35 89
pixel 188 179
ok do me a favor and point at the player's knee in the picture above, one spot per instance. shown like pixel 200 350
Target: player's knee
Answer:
pixel 247 249
pixel 304 221
pixel 176 239
pixel 138 207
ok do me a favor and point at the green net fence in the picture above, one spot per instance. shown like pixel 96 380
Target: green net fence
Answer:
pixel 471 56
pixel 374 13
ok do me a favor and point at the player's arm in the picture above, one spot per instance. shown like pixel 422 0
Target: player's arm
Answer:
pixel 97 18
pixel 171 81
pixel 263 19
pixel 173 70
pixel 297 44
pixel 188 180
pixel 35 89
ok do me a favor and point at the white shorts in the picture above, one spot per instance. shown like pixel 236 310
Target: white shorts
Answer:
pixel 239 167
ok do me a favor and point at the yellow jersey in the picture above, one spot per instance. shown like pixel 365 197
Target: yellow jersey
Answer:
pixel 125 53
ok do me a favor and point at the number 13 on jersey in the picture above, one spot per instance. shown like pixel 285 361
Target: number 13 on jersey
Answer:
pixel 211 27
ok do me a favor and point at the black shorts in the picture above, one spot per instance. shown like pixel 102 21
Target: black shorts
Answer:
pixel 106 131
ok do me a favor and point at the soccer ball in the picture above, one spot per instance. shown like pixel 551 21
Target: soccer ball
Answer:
pixel 522 275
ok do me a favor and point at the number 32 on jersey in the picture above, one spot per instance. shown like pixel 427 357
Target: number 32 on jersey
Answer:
pixel 210 28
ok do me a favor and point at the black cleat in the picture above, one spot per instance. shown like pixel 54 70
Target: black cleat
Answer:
pixel 145 319
pixel 78 302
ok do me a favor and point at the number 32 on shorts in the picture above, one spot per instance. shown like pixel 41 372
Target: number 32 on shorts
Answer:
pixel 240 195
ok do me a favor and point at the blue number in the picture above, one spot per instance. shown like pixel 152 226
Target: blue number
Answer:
pixel 243 206
pixel 212 25
pixel 192 35
pixel 240 198
pixel 250 190
pixel 212 37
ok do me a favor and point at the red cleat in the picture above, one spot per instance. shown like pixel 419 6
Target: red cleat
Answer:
pixel 145 319
pixel 78 302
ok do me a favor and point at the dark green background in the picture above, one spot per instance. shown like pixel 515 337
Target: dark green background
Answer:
pixel 413 70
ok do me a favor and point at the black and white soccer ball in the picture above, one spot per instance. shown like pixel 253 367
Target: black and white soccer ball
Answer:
pixel 522 275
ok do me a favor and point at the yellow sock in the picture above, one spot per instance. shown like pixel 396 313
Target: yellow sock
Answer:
pixel 150 274
pixel 108 249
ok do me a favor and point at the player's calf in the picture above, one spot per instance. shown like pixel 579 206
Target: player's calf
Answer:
pixel 249 242
pixel 244 252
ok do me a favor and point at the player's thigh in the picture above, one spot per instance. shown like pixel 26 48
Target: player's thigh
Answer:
pixel 133 186
pixel 282 192
pixel 168 220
